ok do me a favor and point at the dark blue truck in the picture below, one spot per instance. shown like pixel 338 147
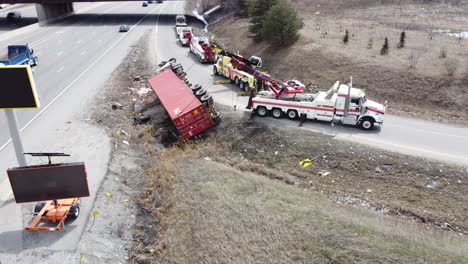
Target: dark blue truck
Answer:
pixel 18 55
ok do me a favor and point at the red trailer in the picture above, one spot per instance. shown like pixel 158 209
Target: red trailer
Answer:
pixel 189 115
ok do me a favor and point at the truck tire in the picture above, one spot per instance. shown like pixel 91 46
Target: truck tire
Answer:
pixel 173 60
pixel 262 111
pixel 195 88
pixel 277 113
pixel 292 114
pixel 215 70
pixel 208 99
pixel 38 207
pixel 74 211
pixel 200 93
pixel 236 80
pixel 244 86
pixel 367 123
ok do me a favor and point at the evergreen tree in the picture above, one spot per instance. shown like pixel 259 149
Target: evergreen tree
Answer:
pixel 384 50
pixel 243 8
pixel 346 37
pixel 402 40
pixel 281 24
pixel 258 12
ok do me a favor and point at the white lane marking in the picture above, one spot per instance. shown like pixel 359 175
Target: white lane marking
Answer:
pixel 37 42
pixel 158 58
pixel 82 53
pixel 77 78
pixel 61 69
pixel 60 53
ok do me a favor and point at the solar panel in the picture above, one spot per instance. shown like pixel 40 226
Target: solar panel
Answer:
pixel 17 88
pixel 48 182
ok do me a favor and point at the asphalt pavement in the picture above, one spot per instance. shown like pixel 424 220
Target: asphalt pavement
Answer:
pixel 76 56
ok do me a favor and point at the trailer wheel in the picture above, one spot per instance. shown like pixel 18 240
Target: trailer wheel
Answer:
pixel 38 207
pixel 208 99
pixel 367 123
pixel 74 211
pixel 200 93
pixel 277 113
pixel 195 88
pixel 292 114
pixel 215 70
pixel 262 111
pixel 236 80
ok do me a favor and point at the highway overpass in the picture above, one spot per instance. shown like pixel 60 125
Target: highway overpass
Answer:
pixel 51 10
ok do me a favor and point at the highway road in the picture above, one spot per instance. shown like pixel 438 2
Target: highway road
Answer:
pixel 78 54
pixel 28 15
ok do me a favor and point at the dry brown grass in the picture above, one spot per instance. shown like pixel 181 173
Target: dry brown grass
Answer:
pixel 219 214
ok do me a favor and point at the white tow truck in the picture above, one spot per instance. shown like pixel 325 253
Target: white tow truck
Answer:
pixel 184 34
pixel 341 103
pixel 200 47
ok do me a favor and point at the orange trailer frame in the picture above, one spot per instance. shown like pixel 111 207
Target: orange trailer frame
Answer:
pixel 53 211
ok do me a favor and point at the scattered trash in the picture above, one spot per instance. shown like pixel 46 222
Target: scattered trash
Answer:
pixel 305 163
pixel 260 150
pixel 125 200
pixel 207 158
pixel 378 170
pixel 276 152
pixel 136 78
pixel 117 134
pixel 143 91
pixel 126 142
pixel 317 13
pixel 432 185
pixel 68 122
pixel 144 118
pixel 95 213
pixel 369 190
pixel 108 194
pixel 123 132
pixel 138 106
pixel 116 106
pixel 459 181
pixel 323 173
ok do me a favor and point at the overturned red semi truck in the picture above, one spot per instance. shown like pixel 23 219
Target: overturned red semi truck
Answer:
pixel 190 108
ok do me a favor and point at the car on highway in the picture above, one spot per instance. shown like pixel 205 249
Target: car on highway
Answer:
pixel 12 16
pixel 144 4
pixel 3 6
pixel 150 1
pixel 124 28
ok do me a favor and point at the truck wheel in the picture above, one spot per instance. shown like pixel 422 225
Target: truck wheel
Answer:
pixel 244 86
pixel 262 111
pixel 236 80
pixel 200 93
pixel 74 211
pixel 208 99
pixel 292 114
pixel 277 113
pixel 173 60
pixel 195 88
pixel 367 123
pixel 38 207
pixel 215 70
